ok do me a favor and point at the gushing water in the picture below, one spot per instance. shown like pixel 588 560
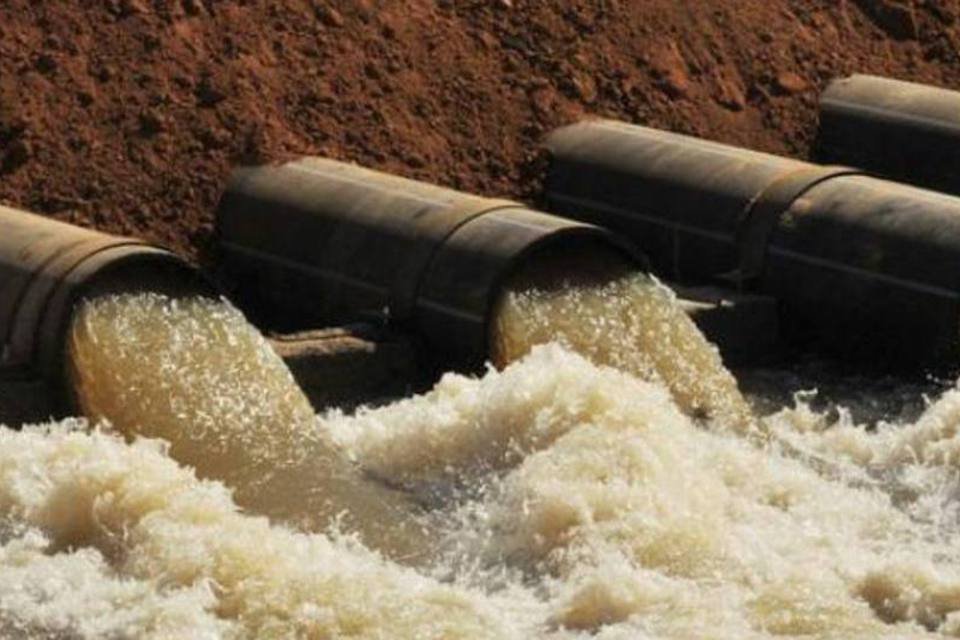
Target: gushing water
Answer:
pixel 564 498
pixel 630 322
pixel 193 372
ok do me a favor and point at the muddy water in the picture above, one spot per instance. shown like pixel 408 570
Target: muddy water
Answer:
pixel 193 372
pixel 628 321
pixel 564 499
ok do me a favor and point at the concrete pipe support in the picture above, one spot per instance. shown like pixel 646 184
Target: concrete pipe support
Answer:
pixel 45 268
pixel 862 266
pixel 321 242
pixel 901 130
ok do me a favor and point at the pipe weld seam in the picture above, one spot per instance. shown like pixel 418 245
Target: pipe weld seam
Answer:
pixel 763 213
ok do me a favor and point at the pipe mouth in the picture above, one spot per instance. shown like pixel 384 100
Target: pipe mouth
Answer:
pixel 573 257
pixel 116 270
pixel 150 270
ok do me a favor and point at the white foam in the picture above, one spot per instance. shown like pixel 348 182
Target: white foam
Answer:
pixel 633 519
pixel 133 545
pixel 563 499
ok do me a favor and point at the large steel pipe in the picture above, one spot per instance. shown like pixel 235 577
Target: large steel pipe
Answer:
pixel 861 265
pixel 46 267
pixel 905 131
pixel 320 242
pixel 680 198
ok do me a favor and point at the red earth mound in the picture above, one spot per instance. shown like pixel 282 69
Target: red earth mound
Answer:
pixel 127 115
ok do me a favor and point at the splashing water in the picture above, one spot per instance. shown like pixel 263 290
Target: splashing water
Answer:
pixel 193 372
pixel 623 518
pixel 112 540
pixel 564 499
pixel 622 318
pixel 615 516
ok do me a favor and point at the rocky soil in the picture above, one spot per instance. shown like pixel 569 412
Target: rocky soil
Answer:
pixel 127 115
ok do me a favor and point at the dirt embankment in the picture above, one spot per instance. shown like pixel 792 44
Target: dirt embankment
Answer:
pixel 128 114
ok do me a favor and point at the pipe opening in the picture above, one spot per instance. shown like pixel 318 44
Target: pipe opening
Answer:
pixel 551 267
pixel 144 271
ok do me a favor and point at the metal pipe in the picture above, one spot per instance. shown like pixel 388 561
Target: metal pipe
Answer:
pixel 317 242
pixel 905 131
pixel 680 198
pixel 862 266
pixel 46 267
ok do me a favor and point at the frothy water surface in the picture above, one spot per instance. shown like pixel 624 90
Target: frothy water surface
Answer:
pixel 563 498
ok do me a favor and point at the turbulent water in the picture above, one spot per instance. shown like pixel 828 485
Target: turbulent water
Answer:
pixel 630 322
pixel 193 372
pixel 563 498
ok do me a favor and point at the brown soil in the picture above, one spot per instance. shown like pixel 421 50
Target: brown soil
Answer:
pixel 128 114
